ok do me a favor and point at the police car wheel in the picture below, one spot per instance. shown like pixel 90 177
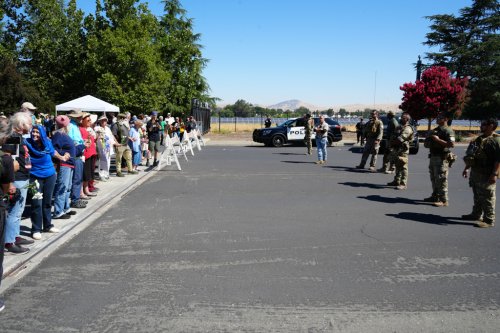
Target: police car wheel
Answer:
pixel 278 141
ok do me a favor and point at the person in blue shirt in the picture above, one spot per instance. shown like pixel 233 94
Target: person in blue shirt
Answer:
pixel 63 144
pixel 43 176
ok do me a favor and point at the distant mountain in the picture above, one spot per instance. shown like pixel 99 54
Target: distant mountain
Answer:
pixel 294 104
pixel 361 107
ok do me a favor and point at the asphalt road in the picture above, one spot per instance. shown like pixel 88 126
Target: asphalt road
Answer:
pixel 254 239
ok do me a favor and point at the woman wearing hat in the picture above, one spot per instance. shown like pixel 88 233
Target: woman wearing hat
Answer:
pixel 104 142
pixel 90 154
pixel 63 144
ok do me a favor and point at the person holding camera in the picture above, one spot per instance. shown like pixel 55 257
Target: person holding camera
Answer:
pixel 153 127
pixel 8 167
pixel 21 125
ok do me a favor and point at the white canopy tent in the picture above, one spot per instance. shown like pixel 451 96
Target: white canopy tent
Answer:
pixel 88 104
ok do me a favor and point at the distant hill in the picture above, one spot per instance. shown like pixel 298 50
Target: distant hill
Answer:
pixel 294 104
pixel 361 107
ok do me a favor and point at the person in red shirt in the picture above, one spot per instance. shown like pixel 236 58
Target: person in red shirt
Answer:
pixel 90 154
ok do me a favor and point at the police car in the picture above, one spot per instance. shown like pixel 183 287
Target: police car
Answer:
pixel 292 131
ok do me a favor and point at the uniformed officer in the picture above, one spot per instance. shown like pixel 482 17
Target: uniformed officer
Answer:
pixel 483 158
pixel 373 132
pixel 400 148
pixel 392 124
pixel 439 141
pixel 359 132
pixel 267 122
pixel 308 128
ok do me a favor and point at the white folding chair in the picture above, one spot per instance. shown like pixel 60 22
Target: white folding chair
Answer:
pixel 200 137
pixel 193 135
pixel 186 143
pixel 169 154
pixel 181 150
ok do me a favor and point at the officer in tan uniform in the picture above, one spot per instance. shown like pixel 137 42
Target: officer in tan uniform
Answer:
pixel 439 141
pixel 308 128
pixel 483 159
pixel 392 124
pixel 400 148
pixel 373 132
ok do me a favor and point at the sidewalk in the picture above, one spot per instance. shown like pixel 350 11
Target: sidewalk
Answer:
pixel 109 193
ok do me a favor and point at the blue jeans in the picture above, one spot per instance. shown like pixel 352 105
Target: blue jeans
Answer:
pixel 321 146
pixel 41 208
pixel 76 186
pixel 3 214
pixel 15 212
pixel 62 190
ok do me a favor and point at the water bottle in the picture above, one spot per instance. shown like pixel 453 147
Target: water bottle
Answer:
pixel 27 162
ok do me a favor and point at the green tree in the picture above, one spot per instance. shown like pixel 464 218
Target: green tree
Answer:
pixel 242 108
pixel 343 113
pixel 468 46
pixel 52 49
pixel 14 89
pixel 182 57
pixel 227 112
pixel 124 58
pixel 301 111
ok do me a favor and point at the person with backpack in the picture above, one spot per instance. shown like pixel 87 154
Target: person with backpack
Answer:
pixel 439 141
pixel 359 132
pixel 483 159
pixel 120 131
pixel 400 150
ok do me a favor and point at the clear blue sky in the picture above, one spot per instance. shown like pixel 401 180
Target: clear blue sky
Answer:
pixel 323 52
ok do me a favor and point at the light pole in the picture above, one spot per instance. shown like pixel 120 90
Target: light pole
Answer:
pixel 419 68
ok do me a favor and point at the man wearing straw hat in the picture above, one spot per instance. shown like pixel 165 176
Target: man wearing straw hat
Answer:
pixel 120 132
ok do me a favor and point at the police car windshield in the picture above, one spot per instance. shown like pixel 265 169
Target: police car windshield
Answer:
pixel 287 123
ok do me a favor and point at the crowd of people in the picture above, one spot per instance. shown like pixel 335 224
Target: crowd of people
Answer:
pixel 52 161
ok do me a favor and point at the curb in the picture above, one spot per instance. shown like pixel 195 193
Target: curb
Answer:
pixel 16 266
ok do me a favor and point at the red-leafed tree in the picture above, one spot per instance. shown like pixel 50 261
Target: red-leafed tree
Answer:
pixel 436 92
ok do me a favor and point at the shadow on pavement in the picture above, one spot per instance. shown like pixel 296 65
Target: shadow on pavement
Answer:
pixel 351 169
pixel 399 200
pixel 356 150
pixel 430 219
pixel 299 162
pixel 25 231
pixel 369 185
pixel 290 154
